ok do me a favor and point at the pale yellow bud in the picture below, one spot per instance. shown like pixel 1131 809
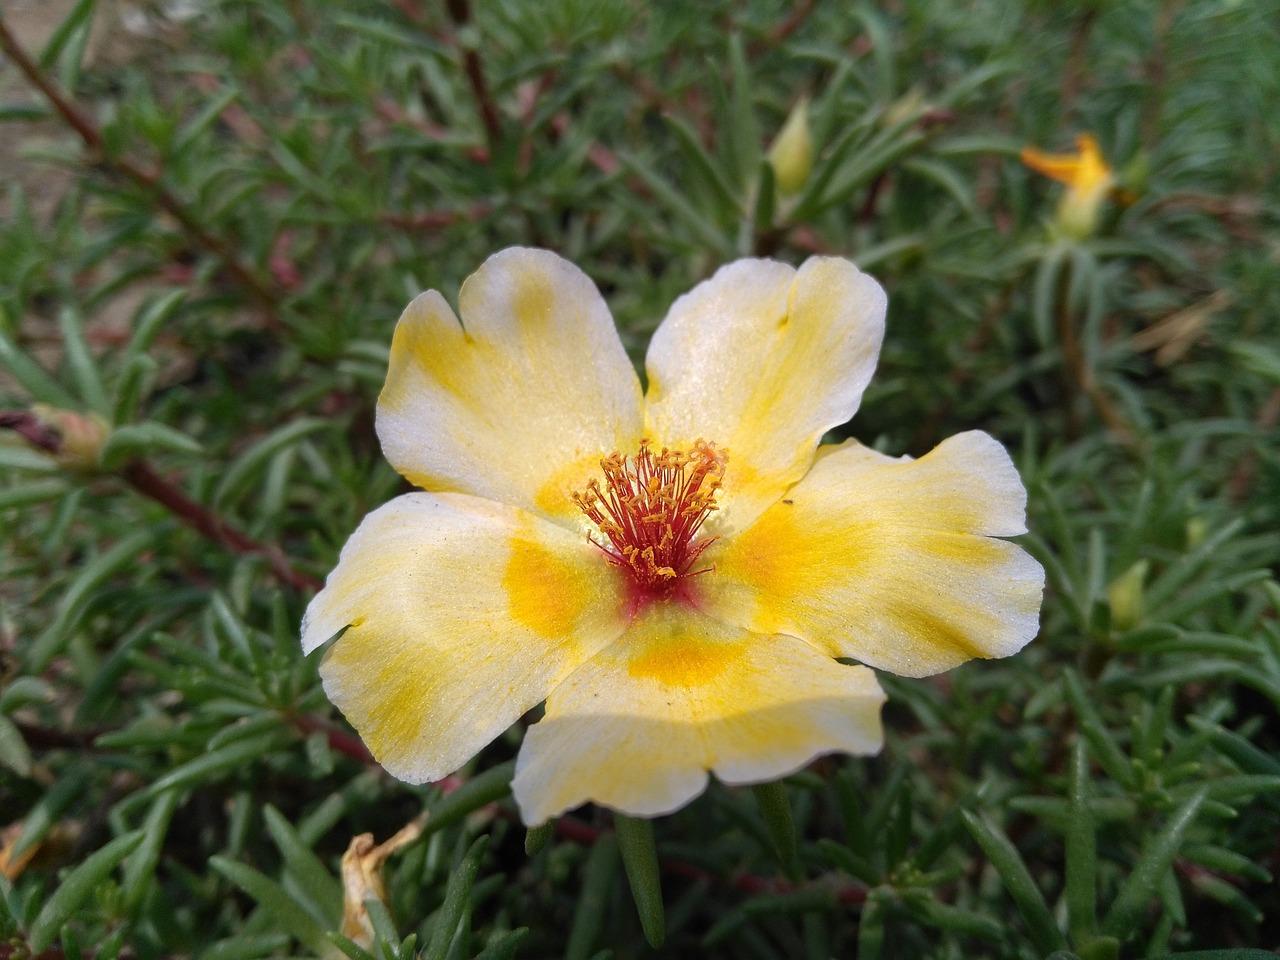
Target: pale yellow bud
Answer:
pixel 81 436
pixel 791 155
pixel 1126 595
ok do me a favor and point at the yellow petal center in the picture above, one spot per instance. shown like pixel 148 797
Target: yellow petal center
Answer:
pixel 650 508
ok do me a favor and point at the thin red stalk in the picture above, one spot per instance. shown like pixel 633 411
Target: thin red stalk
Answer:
pixel 460 12
pixel 782 31
pixel 148 180
pixel 143 478
pixel 340 741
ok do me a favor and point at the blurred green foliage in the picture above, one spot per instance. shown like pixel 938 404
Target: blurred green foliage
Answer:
pixel 213 263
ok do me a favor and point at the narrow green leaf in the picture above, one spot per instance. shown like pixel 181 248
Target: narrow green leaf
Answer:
pixel 26 494
pixel 315 883
pixel 77 886
pixel 1226 861
pixel 456 898
pixel 482 789
pixel 811 900
pixel 957 920
pixel 810 202
pixel 80 361
pixel 349 948
pixel 775 808
pixel 90 577
pixel 536 838
pixel 597 885
pixel 1017 880
pixel 947 178
pixel 1239 750
pixel 244 728
pixel 640 858
pixel 1082 866
pixel 77 19
pixel 246 469
pixel 743 130
pixel 218 763
pixel 1046 293
pixel 1157 855
pixel 872 256
pixel 144 439
pixel 139 872
pixel 34 379
pixel 24 112
pixel 1168 585
pixel 203 120
pixel 132 387
pixel 151 320
pixel 287 913
pixel 704 231
pixel 766 203
pixel 705 166
pixel 14 752
pixel 871 926
pixel 505 947
pixel 1103 746
pixel 881 37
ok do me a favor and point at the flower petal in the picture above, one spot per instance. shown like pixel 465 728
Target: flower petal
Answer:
pixel 763 359
pixel 888 562
pixel 519 406
pixel 461 615
pixel 638 726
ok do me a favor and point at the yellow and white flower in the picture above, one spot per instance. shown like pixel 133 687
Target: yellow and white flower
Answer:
pixel 672 572
pixel 1089 181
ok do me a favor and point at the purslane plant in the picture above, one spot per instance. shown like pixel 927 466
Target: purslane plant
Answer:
pixel 678 605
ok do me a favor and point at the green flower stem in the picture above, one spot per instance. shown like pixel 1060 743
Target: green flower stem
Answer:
pixel 775 807
pixel 640 858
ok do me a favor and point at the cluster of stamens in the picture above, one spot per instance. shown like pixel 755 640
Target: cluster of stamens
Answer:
pixel 651 506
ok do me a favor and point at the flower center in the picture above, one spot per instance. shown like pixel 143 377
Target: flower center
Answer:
pixel 651 506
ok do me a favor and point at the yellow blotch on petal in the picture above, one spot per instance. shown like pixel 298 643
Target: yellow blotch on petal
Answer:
pixel 546 593
pixel 555 497
pixel 430 343
pixel 776 555
pixel 534 302
pixel 683 663
pixel 389 723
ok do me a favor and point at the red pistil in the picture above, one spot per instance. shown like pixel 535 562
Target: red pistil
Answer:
pixel 651 506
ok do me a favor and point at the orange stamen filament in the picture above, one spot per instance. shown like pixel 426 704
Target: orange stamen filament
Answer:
pixel 650 508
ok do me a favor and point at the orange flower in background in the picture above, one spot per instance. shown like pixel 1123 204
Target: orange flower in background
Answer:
pixel 675 572
pixel 1088 178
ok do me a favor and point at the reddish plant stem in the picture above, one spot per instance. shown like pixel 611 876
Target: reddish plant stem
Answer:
pixel 460 13
pixel 147 180
pixel 782 31
pixel 1079 379
pixel 1074 70
pixel 340 741
pixel 143 478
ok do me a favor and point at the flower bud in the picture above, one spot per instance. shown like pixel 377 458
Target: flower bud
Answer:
pixel 1126 596
pixel 791 155
pixel 81 436
pixel 1089 181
